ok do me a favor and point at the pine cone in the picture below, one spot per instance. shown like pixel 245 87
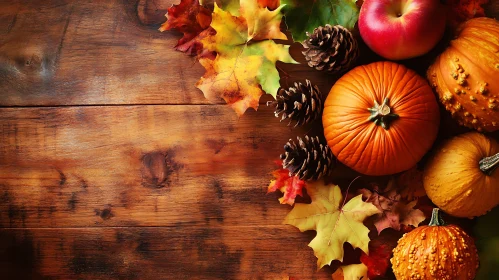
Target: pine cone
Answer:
pixel 301 103
pixel 331 48
pixel 310 160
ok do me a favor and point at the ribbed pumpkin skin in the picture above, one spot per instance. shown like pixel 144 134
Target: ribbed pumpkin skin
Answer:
pixel 435 252
pixel 466 75
pixel 366 147
pixel 453 180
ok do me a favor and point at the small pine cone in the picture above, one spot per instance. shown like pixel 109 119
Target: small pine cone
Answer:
pixel 309 160
pixel 331 48
pixel 301 103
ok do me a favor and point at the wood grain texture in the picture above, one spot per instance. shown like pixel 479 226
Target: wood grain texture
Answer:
pixel 153 12
pixel 145 192
pixel 90 52
pixel 184 251
pixel 131 192
pixel 138 166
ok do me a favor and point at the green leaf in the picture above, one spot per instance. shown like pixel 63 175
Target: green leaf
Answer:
pixel 304 15
pixel 487 242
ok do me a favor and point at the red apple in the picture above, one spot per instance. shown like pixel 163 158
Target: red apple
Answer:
pixel 400 29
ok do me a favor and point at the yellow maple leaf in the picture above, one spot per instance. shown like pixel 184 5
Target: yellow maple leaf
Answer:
pixel 246 55
pixel 351 272
pixel 336 222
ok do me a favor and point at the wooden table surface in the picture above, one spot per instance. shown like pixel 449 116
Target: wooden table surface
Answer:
pixel 114 166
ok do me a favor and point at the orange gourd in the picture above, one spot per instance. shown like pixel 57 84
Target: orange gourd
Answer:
pixel 380 118
pixel 466 75
pixel 435 251
pixel 461 178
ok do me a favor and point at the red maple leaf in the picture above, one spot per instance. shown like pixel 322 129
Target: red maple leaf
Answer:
pixel 193 20
pixel 462 10
pixel 290 186
pixel 380 252
pixel 378 264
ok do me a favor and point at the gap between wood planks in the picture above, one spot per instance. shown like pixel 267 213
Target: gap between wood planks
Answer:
pixel 116 105
pixel 200 225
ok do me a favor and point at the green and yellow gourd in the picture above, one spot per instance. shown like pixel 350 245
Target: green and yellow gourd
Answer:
pixel 461 178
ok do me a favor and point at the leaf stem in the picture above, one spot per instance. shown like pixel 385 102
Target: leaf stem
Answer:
pixel 346 193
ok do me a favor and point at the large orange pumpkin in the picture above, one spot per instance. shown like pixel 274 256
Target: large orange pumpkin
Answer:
pixel 380 118
pixel 466 75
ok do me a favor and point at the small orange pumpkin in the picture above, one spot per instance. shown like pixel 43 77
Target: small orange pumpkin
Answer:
pixel 465 75
pixel 461 178
pixel 380 118
pixel 435 251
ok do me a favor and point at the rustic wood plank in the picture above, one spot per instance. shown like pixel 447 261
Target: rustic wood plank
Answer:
pixel 138 166
pixel 63 52
pixel 152 12
pixel 180 252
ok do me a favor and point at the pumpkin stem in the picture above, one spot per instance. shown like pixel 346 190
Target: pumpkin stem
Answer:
pixel 381 114
pixel 489 164
pixel 436 220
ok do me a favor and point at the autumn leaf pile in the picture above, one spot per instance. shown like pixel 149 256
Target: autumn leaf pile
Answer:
pixel 373 220
pixel 244 66
pixel 235 44
pixel 239 42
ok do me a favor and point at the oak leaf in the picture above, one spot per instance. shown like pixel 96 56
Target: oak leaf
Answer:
pixel 463 10
pixel 193 20
pixel 290 186
pixel 351 272
pixel 303 15
pixel 335 221
pixel 244 67
pixel 393 210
